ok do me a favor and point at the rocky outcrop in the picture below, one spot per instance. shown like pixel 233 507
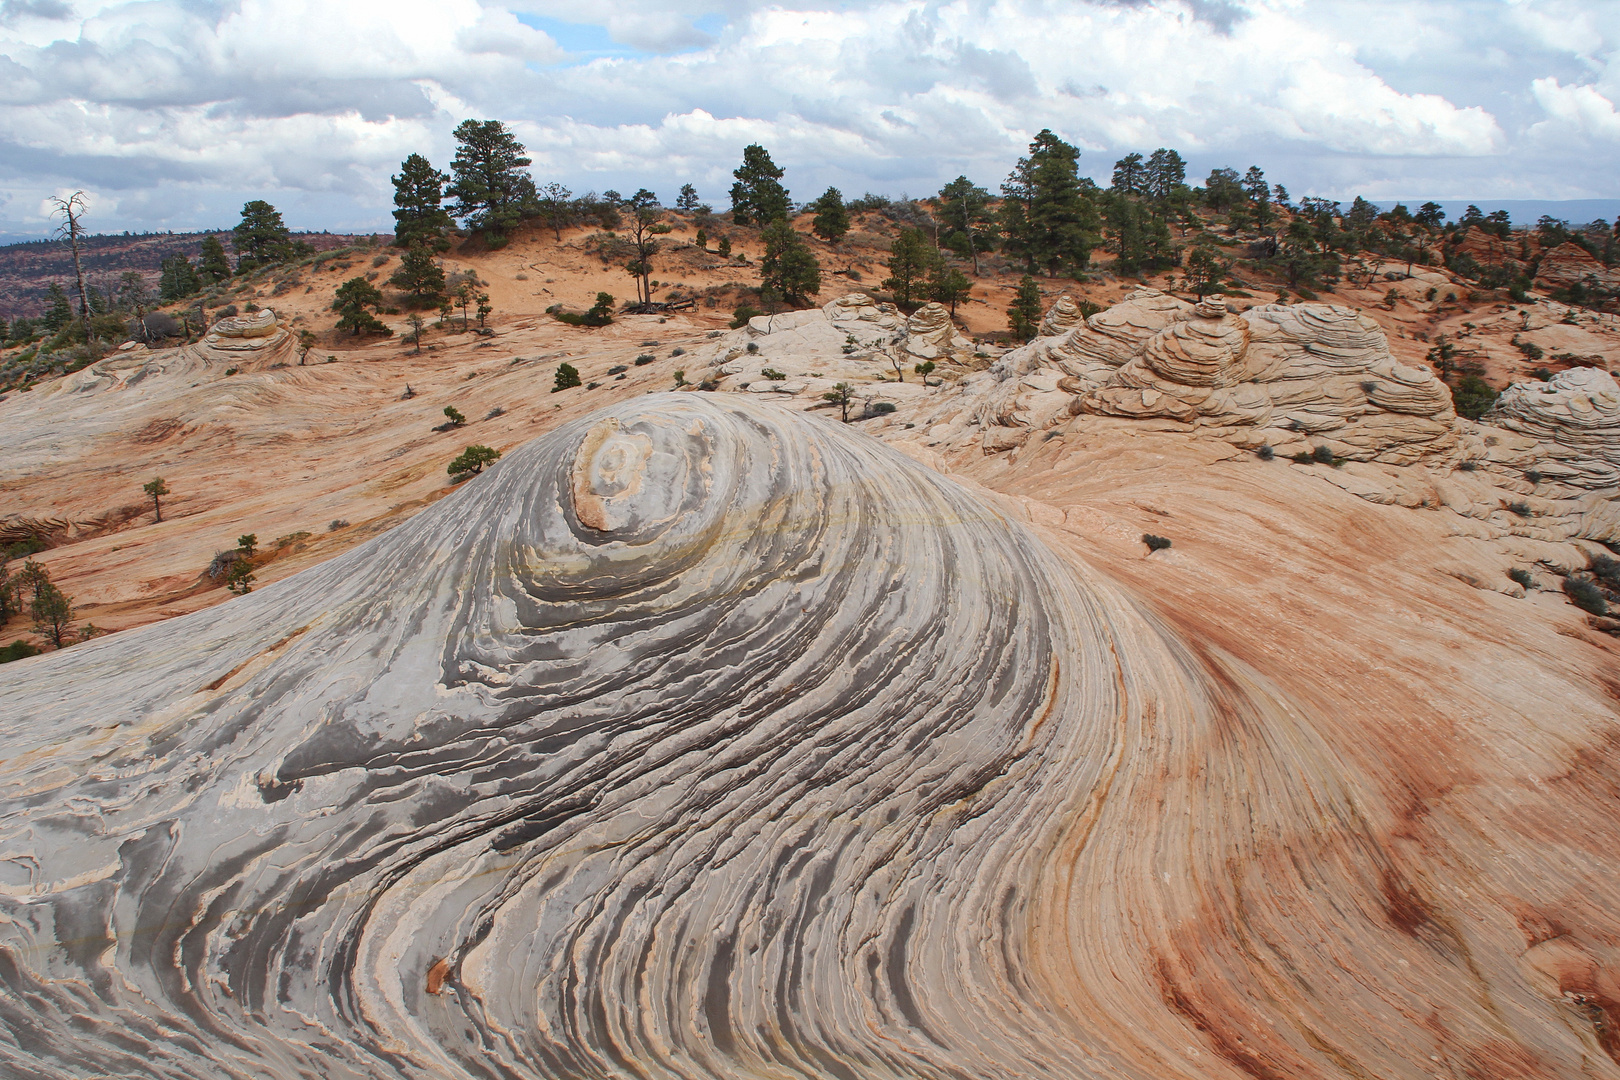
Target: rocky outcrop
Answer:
pixel 1092 349
pixel 930 335
pixel 1285 375
pixel 1575 420
pixel 1570 264
pixel 1063 316
pixel 1488 249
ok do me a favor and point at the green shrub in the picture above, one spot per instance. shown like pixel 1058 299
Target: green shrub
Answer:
pixel 772 374
pixel 1533 477
pixel 1473 397
pixel 1586 596
pixel 645 358
pixel 617 369
pixel 1522 577
pixel 456 419
pixel 471 461
pixel 882 408
pixel 740 317
pixel 1520 507
pixel 18 650
pixel 1323 454
pixel 1265 453
pixel 1155 543
pixel 567 377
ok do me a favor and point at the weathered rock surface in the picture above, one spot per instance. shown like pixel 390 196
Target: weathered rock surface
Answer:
pixel 699 738
pixel 1570 264
pixel 1575 420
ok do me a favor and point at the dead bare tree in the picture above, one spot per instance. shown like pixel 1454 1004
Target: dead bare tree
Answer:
pixel 72 210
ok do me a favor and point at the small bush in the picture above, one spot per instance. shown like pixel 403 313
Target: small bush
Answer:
pixel 567 377
pixel 454 415
pixel 617 369
pixel 1541 373
pixel 1368 386
pixel 1265 453
pixel 740 317
pixel 882 408
pixel 471 461
pixel 1155 543
pixel 1467 466
pixel 1533 477
pixel 1522 577
pixel 645 358
pixel 232 371
pixel 680 378
pixel 1586 596
pixel 772 374
pixel 1323 454
pixel 753 347
pixel 1303 457
pixel 17 650
pixel 1520 507
pixel 337 523
pixel 678 351
pixel 592 386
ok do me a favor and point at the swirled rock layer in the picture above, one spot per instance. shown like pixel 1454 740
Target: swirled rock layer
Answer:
pixel 1575 417
pixel 700 738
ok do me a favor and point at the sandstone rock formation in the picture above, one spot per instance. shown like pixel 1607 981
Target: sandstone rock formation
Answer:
pixel 1570 264
pixel 1061 317
pixel 699 738
pixel 1295 376
pixel 1288 373
pixel 1575 421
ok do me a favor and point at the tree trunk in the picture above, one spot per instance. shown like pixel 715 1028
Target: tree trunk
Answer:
pixel 78 270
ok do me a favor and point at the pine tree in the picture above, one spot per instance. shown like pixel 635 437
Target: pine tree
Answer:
pixel 260 238
pixel 420 216
pixel 419 275
pixel 1130 175
pixel 1259 193
pixel 687 201
pixel 555 207
pixel 1049 215
pixel 832 218
pixel 965 210
pixel 758 197
pixel 177 279
pixel 213 266
pixel 353 298
pixel 910 260
pixel 788 270
pixel 1024 314
pixel 1223 189
pixel 58 309
pixel 1165 173
pixel 949 286
pixel 490 186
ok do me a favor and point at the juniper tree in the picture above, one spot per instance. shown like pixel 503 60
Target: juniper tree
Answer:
pixel 353 299
pixel 156 488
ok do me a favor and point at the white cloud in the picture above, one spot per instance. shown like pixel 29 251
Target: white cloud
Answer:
pixel 319 101
pixel 1574 111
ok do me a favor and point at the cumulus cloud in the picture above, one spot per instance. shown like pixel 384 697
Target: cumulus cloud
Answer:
pixel 1328 95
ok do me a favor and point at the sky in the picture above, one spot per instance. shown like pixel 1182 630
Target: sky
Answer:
pixel 170 114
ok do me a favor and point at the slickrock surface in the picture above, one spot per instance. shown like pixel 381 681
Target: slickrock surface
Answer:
pixel 701 738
